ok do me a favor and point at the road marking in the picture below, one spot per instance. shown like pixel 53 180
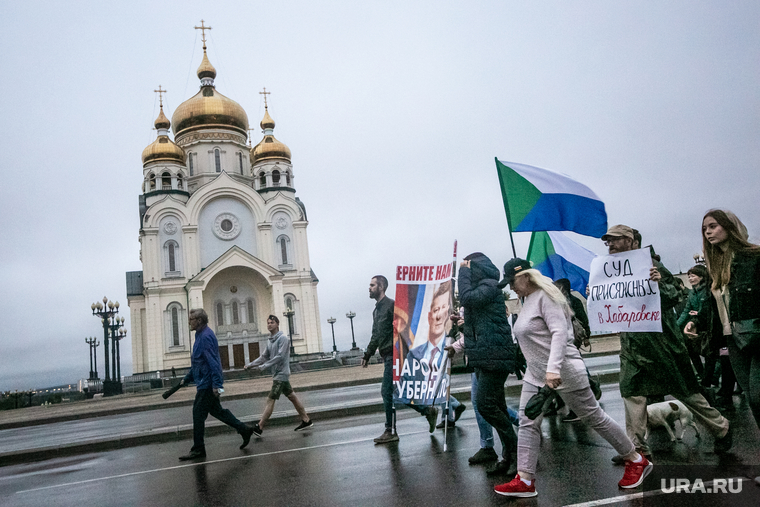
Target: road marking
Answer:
pixel 177 467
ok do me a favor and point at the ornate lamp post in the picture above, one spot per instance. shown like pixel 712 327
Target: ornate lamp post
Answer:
pixel 94 344
pixel 108 312
pixel 332 321
pixel 289 314
pixel 120 335
pixel 351 316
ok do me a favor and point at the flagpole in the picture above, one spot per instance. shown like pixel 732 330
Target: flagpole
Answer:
pixel 506 209
pixel 448 362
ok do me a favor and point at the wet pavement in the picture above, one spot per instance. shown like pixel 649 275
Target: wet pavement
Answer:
pixel 336 464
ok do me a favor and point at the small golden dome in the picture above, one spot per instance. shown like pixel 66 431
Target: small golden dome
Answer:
pixel 209 109
pixel 267 122
pixel 163 149
pixel 206 69
pixel 269 147
pixel 162 122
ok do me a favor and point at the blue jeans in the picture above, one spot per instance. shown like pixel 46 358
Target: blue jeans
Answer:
pixel 486 430
pixel 387 391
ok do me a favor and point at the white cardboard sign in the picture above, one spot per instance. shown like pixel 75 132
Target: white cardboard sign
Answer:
pixel 621 297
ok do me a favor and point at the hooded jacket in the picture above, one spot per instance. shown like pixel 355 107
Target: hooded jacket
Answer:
pixel 487 334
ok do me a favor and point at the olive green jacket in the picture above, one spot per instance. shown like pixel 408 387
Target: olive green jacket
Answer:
pixel 658 363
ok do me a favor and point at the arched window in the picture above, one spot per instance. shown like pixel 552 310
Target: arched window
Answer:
pixel 179 182
pixel 172 260
pixel 190 163
pixel 175 326
pixel 290 304
pixel 218 160
pixel 219 314
pixel 275 178
pixel 251 317
pixel 235 313
pixel 172 265
pixel 287 178
pixel 262 180
pixel 284 250
pixel 166 181
pixel 240 159
pixel 152 180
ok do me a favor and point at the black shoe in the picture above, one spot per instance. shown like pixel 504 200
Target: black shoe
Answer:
pixel 432 417
pixel 484 455
pixel 193 455
pixel 458 411
pixel 502 468
pixel 304 425
pixel 387 437
pixel 443 424
pixel 725 443
pixel 256 430
pixel 246 434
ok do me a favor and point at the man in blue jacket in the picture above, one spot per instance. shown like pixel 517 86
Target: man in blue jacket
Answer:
pixel 206 372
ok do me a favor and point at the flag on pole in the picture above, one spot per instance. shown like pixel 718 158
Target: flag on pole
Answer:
pixel 540 200
pixel 557 256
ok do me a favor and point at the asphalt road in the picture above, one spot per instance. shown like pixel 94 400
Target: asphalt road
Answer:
pixel 247 410
pixel 336 464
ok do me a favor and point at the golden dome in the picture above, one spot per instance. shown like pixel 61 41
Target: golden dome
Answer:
pixel 206 69
pixel 163 149
pixel 269 147
pixel 209 109
pixel 162 122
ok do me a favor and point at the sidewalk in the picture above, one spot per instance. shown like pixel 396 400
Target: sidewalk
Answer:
pixel 255 387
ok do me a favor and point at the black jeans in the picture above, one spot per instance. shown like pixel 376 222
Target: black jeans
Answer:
pixel 493 408
pixel 206 403
pixel 386 390
pixel 746 365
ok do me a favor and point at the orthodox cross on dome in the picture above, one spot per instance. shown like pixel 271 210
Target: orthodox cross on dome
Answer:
pixel 249 136
pixel 203 29
pixel 160 93
pixel 265 93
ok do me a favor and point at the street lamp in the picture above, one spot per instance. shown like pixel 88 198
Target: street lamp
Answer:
pixel 289 314
pixel 108 312
pixel 332 321
pixel 351 316
pixel 94 344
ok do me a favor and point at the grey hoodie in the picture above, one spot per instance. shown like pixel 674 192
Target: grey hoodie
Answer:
pixel 276 356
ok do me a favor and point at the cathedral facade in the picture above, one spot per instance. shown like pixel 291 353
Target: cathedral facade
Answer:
pixel 220 229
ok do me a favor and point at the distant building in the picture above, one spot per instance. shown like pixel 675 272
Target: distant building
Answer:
pixel 220 229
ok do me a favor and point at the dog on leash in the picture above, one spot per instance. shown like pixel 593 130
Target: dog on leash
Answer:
pixel 666 414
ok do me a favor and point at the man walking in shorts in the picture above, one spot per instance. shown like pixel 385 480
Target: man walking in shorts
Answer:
pixel 277 356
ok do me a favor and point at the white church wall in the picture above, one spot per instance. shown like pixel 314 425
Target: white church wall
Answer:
pixel 215 217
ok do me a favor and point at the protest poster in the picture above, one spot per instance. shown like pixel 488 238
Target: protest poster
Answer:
pixel 621 296
pixel 421 322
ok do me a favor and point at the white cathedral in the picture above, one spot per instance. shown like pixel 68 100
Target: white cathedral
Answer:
pixel 220 229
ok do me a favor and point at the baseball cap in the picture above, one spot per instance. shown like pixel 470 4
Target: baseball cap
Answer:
pixel 511 268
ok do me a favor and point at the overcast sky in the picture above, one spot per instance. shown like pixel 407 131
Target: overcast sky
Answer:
pixel 394 112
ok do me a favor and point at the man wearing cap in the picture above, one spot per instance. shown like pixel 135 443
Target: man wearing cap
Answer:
pixel 653 364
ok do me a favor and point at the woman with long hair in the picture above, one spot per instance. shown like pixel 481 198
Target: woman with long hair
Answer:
pixel 544 332
pixel 734 266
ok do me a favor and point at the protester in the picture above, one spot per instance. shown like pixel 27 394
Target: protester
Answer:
pixel 206 372
pixel 656 364
pixel 277 357
pixel 692 346
pixel 382 341
pixel 710 341
pixel 544 332
pixel 486 453
pixel 489 349
pixel 734 266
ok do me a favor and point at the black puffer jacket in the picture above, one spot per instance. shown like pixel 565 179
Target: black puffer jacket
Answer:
pixel 744 286
pixel 487 334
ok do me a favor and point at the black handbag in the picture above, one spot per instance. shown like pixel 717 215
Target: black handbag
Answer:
pixel 536 402
pixel 746 333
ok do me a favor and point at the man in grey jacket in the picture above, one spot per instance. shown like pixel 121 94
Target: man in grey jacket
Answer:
pixel 277 357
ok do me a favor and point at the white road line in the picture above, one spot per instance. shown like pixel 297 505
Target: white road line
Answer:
pixel 177 467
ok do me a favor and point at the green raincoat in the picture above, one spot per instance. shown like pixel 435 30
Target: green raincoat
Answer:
pixel 658 363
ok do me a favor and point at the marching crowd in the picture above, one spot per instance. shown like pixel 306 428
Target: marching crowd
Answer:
pixel 719 320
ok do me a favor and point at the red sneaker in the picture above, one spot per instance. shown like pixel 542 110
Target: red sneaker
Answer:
pixel 517 488
pixel 635 473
